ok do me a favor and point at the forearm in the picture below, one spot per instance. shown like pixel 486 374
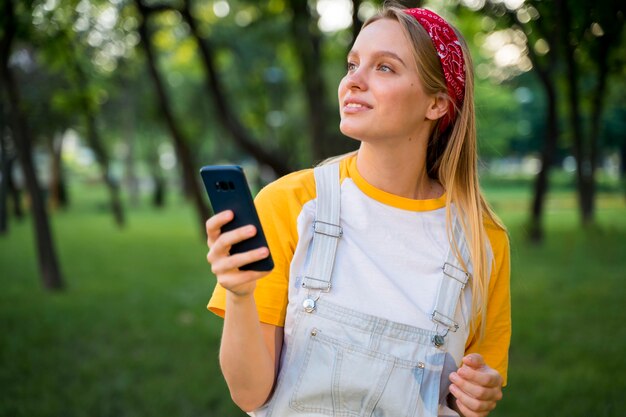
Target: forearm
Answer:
pixel 247 363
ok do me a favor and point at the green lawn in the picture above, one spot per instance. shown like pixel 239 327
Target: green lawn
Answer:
pixel 131 335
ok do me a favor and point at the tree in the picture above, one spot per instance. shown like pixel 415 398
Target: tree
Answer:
pixel 48 263
pixel 242 137
pixel 94 138
pixel 5 172
pixel 68 95
pixel 180 143
pixel 562 37
pixel 593 32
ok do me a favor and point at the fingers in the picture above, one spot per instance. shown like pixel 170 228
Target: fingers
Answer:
pixel 220 243
pixel 223 264
pixel 474 360
pixel 227 239
pixel 226 266
pixel 219 253
pixel 215 223
pixel 470 407
pixel 477 390
pixel 484 376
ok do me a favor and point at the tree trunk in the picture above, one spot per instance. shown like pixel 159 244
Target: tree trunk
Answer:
pixel 190 173
pixel 584 173
pixel 597 109
pixel 323 121
pixel 307 39
pixel 271 158
pixel 97 146
pixel 158 182
pixel 158 195
pixel 4 178
pixel 622 165
pixel 58 190
pixel 545 72
pixel 14 191
pixel 547 159
pixel 130 159
pixel 48 264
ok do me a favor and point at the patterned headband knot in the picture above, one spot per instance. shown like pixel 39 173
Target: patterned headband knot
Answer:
pixel 450 54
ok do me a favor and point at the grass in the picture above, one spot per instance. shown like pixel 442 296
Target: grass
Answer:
pixel 566 356
pixel 131 335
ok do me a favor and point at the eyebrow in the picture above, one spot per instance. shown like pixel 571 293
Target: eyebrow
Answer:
pixel 378 54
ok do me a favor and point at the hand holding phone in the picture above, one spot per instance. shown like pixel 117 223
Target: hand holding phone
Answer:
pixel 228 189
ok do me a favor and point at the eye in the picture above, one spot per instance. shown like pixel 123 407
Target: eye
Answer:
pixel 384 68
pixel 351 66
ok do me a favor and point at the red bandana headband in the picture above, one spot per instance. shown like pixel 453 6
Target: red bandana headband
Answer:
pixel 450 54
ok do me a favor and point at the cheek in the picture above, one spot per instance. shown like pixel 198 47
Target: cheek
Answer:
pixel 405 103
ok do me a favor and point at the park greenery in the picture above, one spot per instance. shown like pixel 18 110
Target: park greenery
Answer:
pixel 141 93
pixel 131 335
pixel 108 108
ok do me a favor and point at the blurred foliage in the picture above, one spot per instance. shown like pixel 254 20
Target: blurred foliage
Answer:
pixel 259 70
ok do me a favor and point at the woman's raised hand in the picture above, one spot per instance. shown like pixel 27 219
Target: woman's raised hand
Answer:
pixel 226 266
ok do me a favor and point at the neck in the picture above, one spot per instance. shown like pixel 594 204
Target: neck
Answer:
pixel 398 170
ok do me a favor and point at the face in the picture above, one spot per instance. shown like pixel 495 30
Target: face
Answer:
pixel 381 97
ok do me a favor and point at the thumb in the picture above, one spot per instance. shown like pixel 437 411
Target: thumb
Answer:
pixel 474 360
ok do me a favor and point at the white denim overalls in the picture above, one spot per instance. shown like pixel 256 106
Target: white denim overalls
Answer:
pixel 340 362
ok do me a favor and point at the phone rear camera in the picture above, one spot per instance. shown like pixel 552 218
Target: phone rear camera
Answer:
pixel 221 185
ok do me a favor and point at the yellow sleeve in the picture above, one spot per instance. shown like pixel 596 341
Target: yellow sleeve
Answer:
pixel 494 347
pixel 279 205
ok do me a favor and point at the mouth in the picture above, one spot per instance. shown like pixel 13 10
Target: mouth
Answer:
pixel 354 106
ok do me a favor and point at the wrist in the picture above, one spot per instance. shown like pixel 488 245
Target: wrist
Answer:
pixel 240 297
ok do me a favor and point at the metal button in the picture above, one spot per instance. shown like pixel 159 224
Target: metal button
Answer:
pixel 438 340
pixel 314 332
pixel 421 365
pixel 309 305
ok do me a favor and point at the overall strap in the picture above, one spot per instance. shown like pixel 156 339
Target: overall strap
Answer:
pixel 326 228
pixel 453 282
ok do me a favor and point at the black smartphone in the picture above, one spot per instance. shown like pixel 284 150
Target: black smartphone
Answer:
pixel 228 189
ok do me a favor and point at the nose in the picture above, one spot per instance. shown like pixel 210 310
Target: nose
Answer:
pixel 355 80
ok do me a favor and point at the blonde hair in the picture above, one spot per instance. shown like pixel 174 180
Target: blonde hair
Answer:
pixel 451 158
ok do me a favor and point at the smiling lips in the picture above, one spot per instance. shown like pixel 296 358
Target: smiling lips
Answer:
pixel 355 106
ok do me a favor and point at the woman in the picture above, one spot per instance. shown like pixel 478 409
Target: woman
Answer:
pixel 390 292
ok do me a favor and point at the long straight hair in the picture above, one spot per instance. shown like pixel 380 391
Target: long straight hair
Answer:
pixel 451 158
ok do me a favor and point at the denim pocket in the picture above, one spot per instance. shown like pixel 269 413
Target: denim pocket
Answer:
pixel 338 378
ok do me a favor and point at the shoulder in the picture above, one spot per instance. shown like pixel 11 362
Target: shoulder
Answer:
pixel 281 202
pixel 298 186
pixel 497 235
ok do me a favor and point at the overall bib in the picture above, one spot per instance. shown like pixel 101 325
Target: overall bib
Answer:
pixel 341 362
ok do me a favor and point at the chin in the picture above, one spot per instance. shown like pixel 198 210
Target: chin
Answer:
pixel 351 132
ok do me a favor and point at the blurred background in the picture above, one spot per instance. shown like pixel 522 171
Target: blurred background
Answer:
pixel 109 108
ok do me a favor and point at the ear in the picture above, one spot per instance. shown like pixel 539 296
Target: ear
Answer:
pixel 438 107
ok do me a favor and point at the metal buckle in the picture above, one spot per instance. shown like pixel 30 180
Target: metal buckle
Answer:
pixel 456 273
pixel 327 229
pixel 444 320
pixel 325 288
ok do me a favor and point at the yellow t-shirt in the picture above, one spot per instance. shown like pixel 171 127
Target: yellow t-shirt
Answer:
pixel 391 245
